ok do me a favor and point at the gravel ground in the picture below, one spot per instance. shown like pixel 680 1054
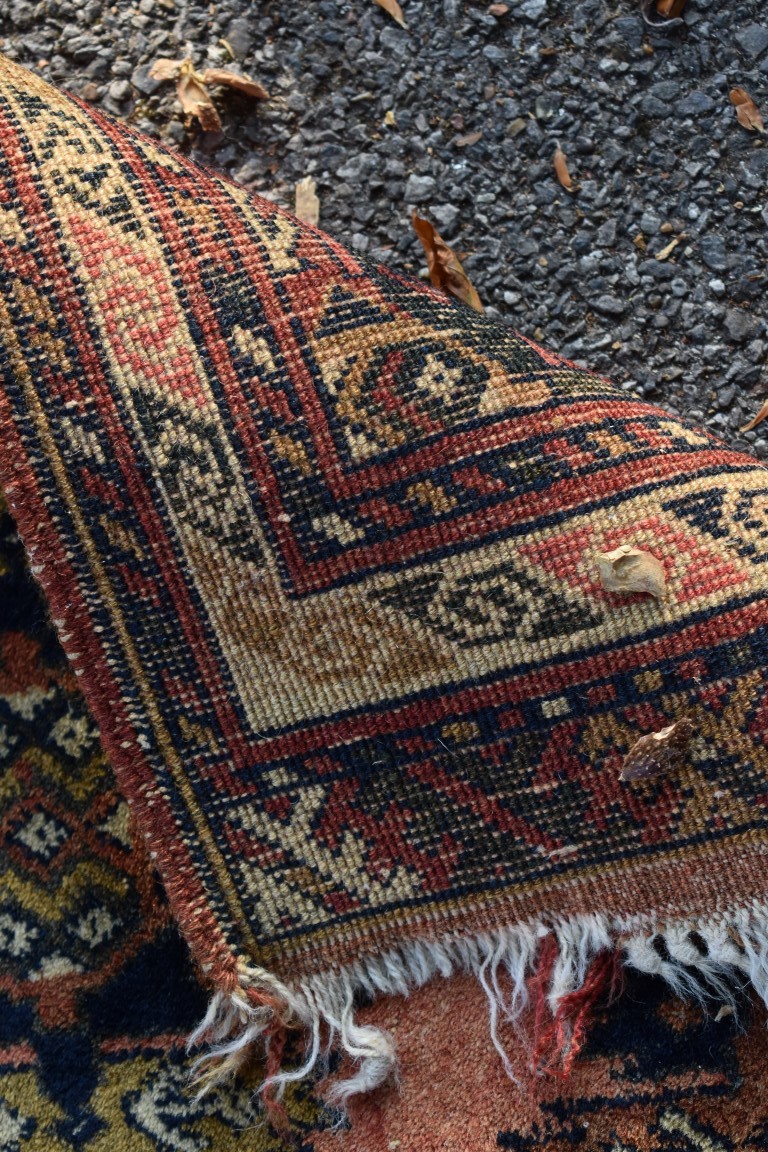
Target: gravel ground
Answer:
pixel 459 117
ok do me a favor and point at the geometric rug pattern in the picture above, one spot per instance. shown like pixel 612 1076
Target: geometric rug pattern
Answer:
pixel 98 993
pixel 375 688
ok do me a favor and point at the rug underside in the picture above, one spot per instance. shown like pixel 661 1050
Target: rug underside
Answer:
pixel 323 549
pixel 98 994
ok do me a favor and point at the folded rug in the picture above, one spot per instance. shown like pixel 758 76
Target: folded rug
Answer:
pixel 97 994
pixel 414 648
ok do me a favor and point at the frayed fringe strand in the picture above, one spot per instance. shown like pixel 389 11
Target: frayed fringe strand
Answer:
pixel 559 970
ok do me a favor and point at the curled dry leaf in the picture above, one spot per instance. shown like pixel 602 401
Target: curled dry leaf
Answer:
pixel 395 11
pixel 470 138
pixel 753 423
pixel 747 112
pixel 445 270
pixel 628 569
pixel 233 80
pixel 650 13
pixel 561 170
pixel 670 9
pixel 165 69
pixel 307 203
pixel 195 99
pixel 668 249
pixel 192 93
pixel 658 752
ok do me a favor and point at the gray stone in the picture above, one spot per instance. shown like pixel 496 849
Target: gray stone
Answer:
pixel 394 40
pixel 657 269
pixel 419 188
pixel 143 82
pixel 757 161
pixel 631 31
pixel 585 145
pixel 83 49
pixel 22 13
pixel 666 90
pixel 446 215
pixel 606 234
pixel 717 287
pixel 355 169
pixel 712 248
pixel 608 305
pixel 695 104
pixel 119 90
pixel 739 324
pixel 239 36
pixel 753 39
pixel 175 131
pixel 655 108
pixel 533 9
pixel 650 222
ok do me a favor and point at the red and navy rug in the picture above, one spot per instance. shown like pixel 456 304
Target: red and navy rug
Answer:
pixel 326 553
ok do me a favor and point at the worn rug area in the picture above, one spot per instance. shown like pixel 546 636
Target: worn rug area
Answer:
pixel 97 992
pixel 322 548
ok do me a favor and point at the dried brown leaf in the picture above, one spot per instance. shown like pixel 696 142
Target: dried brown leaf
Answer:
pixel 445 270
pixel 470 138
pixel 649 11
pixel 665 252
pixel 192 91
pixel 561 170
pixel 628 569
pixel 195 99
pixel 165 69
pixel 227 79
pixel 307 203
pixel 747 112
pixel 394 10
pixel 658 752
pixel 753 423
pixel 670 9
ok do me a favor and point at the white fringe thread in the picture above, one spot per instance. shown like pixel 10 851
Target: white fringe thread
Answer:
pixel 706 959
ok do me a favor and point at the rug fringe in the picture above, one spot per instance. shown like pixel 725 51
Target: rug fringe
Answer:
pixel 558 970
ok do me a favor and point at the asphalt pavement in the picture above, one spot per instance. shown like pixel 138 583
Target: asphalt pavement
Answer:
pixel 652 270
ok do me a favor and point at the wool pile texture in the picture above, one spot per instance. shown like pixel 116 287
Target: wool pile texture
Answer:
pixel 98 994
pixel 321 547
